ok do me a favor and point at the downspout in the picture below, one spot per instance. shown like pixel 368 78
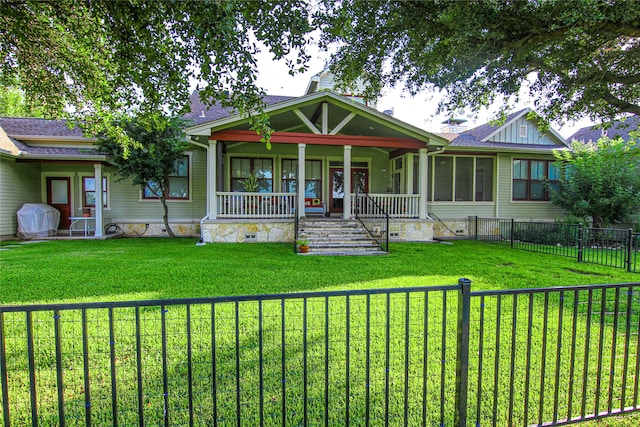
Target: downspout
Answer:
pixel 206 148
pixel 439 150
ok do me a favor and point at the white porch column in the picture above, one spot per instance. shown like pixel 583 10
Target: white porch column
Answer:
pixel 424 181
pixel 212 165
pixel 301 179
pixel 346 213
pixel 99 202
pixel 409 174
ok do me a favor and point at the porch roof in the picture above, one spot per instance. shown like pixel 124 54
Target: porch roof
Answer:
pixel 323 118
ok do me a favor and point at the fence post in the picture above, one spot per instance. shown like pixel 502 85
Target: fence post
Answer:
pixel 629 247
pixel 512 229
pixel 462 352
pixel 3 375
pixel 476 231
pixel 580 241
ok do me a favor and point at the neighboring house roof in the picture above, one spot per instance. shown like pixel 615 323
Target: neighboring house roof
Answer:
pixel 486 136
pixel 45 139
pixel 203 113
pixel 618 128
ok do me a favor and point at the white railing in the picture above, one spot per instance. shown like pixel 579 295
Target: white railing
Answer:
pixel 396 205
pixel 255 205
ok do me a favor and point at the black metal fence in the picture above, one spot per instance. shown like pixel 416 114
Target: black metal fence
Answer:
pixel 425 356
pixel 604 246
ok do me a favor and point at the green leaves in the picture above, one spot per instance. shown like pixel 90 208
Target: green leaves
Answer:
pixel 575 61
pixel 600 180
pixel 92 61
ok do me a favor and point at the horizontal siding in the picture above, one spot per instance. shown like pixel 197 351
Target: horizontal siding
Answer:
pixel 126 203
pixel 461 210
pixel 521 210
pixel 19 184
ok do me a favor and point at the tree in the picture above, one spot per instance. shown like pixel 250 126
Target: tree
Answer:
pixel 12 103
pixel 159 145
pixel 577 59
pixel 90 60
pixel 600 180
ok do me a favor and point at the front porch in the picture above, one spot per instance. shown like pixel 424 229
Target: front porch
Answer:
pixel 270 217
pixel 325 153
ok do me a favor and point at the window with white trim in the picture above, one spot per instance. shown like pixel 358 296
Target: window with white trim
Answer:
pixel 178 182
pixel 89 192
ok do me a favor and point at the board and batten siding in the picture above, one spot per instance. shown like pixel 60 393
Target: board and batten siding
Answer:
pixel 19 184
pixel 511 134
pixel 522 210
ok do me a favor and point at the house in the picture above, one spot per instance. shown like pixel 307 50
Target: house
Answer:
pixel 326 151
pixel 494 171
pixel 616 129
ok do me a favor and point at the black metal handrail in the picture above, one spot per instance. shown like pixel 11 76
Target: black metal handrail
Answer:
pixel 376 216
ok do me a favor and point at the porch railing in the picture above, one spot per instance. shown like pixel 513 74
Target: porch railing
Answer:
pixel 255 205
pixel 396 205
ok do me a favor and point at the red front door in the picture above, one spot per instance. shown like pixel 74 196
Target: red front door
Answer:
pixel 59 196
pixel 359 180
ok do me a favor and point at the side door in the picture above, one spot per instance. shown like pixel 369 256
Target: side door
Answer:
pixel 59 196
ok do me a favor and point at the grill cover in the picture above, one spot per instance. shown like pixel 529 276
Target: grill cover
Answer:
pixel 37 220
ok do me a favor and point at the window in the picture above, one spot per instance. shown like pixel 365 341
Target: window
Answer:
pixel 178 182
pixel 242 168
pixel 313 177
pixel 443 179
pixel 522 131
pixel 89 191
pixel 530 179
pixel 462 179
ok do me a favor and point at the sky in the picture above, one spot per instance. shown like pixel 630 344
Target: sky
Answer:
pixel 419 111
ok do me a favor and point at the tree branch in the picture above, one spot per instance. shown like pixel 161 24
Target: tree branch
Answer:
pixel 620 104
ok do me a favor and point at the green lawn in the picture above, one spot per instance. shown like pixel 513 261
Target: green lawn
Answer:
pixel 136 269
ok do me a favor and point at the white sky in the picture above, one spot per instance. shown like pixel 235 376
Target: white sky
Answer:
pixel 418 111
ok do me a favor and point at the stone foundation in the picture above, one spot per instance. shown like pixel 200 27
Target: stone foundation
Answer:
pixel 158 229
pixel 240 231
pixel 451 228
pixel 410 230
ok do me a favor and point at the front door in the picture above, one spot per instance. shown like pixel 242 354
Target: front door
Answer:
pixel 58 196
pixel 359 181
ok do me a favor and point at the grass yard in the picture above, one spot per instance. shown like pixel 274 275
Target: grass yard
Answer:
pixel 135 269
pixel 140 269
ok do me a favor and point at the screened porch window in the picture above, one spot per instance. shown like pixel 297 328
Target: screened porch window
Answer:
pixel 242 168
pixel 313 177
pixel 462 179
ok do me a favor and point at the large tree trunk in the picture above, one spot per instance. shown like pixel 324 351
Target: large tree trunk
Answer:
pixel 165 217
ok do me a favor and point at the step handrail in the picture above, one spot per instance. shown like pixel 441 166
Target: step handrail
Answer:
pixel 376 212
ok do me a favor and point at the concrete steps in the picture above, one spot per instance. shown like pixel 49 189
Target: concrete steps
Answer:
pixel 337 237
